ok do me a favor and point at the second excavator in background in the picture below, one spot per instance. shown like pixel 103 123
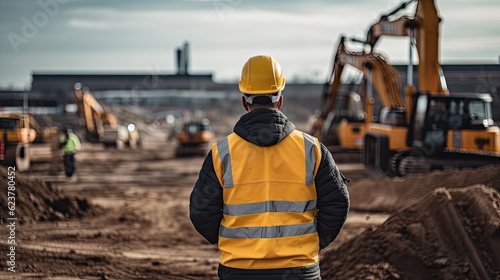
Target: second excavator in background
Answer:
pixel 340 124
pixel 101 125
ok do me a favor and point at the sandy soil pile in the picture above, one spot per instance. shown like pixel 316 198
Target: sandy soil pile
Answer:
pixel 38 201
pixel 449 234
pixel 445 225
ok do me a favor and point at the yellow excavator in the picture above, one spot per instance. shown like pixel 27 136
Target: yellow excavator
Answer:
pixel 103 126
pixel 341 123
pixel 15 138
pixel 440 131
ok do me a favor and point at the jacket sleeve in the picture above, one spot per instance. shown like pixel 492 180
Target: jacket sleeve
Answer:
pixel 205 208
pixel 333 199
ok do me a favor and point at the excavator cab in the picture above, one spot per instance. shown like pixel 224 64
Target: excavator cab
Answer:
pixel 444 132
pixel 343 126
pixel 458 121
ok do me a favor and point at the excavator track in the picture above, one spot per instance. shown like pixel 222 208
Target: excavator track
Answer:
pixel 415 161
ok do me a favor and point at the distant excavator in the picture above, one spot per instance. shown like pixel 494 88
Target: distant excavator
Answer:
pixel 101 125
pixel 194 138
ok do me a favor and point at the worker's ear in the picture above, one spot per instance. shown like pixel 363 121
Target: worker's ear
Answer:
pixel 280 102
pixel 245 105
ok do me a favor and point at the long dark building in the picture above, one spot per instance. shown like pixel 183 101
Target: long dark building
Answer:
pixel 460 78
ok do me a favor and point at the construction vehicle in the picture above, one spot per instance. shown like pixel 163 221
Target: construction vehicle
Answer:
pixel 439 131
pixel 341 124
pixel 46 132
pixel 194 138
pixel 101 125
pixel 15 138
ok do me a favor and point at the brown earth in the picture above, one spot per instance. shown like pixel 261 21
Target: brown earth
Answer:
pixel 448 234
pixel 127 218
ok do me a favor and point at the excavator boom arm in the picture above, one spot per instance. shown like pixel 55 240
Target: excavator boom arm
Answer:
pixel 384 77
pixel 425 24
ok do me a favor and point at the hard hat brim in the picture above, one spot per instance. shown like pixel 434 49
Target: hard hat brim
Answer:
pixel 247 90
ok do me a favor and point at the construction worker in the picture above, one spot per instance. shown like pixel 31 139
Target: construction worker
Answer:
pixel 70 143
pixel 268 195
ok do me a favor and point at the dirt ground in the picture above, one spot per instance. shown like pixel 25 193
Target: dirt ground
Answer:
pixel 127 218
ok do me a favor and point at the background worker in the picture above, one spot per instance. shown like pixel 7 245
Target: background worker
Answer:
pixel 269 195
pixel 70 144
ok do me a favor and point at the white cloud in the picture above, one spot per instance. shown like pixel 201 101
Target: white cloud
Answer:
pixel 88 24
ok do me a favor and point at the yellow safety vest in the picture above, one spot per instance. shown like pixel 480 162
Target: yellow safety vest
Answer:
pixel 269 202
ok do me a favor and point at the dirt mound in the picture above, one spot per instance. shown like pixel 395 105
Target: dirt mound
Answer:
pixel 448 234
pixel 38 201
pixel 391 194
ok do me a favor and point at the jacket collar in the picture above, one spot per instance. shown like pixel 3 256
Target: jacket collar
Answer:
pixel 264 127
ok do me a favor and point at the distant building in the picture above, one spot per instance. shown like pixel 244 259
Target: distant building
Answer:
pixel 61 85
pixel 461 78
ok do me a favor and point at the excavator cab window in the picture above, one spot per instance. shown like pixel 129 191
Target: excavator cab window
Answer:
pixel 9 124
pixel 431 121
pixel 479 113
pixel 392 116
pixel 469 113
pixel 354 108
pixel 477 110
pixel 349 107
pixel 193 128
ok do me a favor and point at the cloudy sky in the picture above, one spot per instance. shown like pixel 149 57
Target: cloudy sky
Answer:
pixel 128 36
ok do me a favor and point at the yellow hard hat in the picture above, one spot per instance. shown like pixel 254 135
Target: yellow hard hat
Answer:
pixel 261 75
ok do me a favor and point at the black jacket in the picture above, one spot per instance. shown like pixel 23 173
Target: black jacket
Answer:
pixel 267 127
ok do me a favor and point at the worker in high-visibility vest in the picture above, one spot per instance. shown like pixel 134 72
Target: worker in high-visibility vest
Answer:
pixel 70 143
pixel 270 196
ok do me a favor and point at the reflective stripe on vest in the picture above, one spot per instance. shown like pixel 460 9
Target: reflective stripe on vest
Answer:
pixel 268 232
pixel 310 158
pixel 225 158
pixel 269 206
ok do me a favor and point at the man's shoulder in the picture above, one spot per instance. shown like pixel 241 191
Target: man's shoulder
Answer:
pixel 225 138
pixel 301 133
